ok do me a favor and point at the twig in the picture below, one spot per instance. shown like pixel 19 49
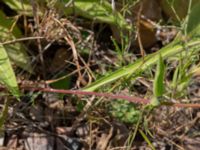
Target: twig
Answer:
pixel 142 51
pixel 39 44
pixel 70 41
pixel 21 39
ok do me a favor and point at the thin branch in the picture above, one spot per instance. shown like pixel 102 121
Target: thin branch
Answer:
pixel 21 40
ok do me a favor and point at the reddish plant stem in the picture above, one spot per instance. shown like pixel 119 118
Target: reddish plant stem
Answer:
pixel 108 95
pixel 79 92
pixel 186 105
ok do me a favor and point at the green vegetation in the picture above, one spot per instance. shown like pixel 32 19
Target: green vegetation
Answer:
pixel 98 45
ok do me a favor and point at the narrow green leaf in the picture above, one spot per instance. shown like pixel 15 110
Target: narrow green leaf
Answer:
pixel 140 65
pixel 146 139
pixel 7 76
pixel 158 85
pixel 175 77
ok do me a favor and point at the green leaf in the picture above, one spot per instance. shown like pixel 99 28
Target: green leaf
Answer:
pixel 158 86
pixel 175 77
pixel 172 49
pixel 22 7
pixel 7 76
pixel 124 111
pixel 5 26
pixel 17 54
pixel 96 10
pixel 16 51
pixel 193 27
pixel 142 64
pixel 146 139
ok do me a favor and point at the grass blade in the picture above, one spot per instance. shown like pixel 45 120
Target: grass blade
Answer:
pixel 140 65
pixel 158 87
